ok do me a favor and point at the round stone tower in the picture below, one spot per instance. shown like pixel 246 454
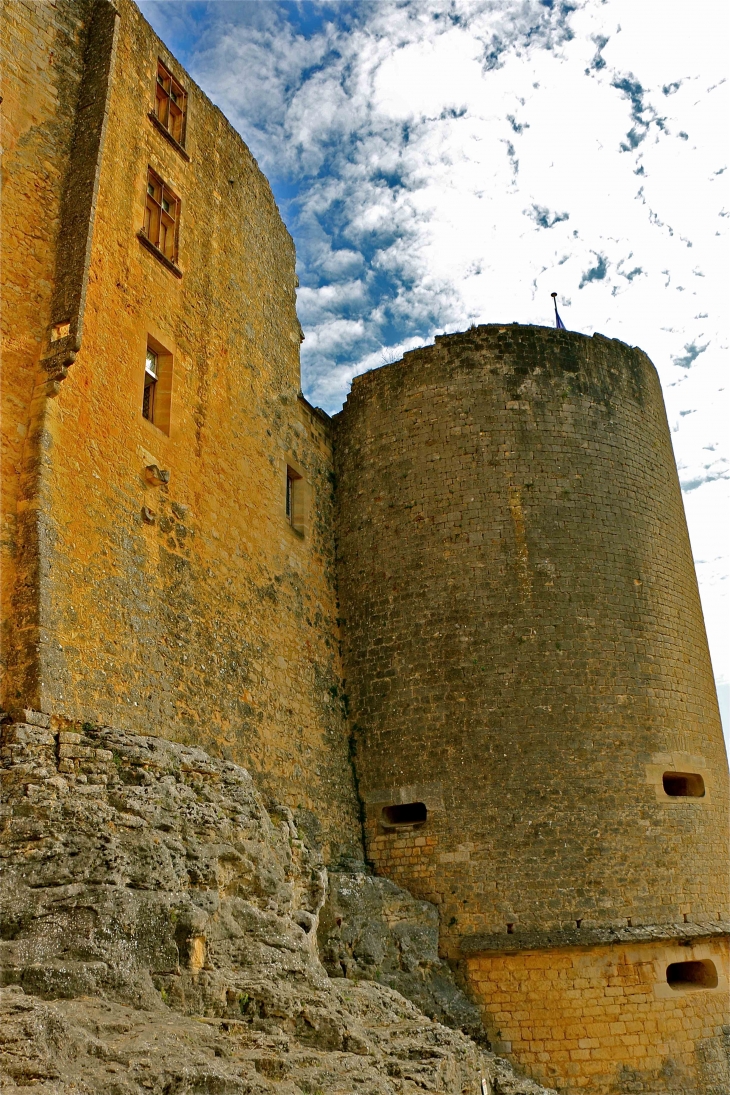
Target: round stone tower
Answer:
pixel 538 744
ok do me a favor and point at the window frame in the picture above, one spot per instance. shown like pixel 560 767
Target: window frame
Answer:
pixel 171 94
pixel 161 211
pixel 159 407
pixel 680 764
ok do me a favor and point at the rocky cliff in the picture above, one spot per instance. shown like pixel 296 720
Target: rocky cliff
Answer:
pixel 160 934
pixel 372 930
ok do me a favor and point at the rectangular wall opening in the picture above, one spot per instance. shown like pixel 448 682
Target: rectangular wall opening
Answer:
pixel 406 813
pixel 161 216
pixel 170 103
pixel 684 976
pixel 683 785
pixel 295 501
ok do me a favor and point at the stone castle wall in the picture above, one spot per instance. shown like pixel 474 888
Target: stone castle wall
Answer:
pixel 186 598
pixel 604 1019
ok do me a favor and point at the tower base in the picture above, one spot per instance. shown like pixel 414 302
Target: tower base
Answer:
pixel 625 1017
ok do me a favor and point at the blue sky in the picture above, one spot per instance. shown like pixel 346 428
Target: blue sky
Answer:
pixel 445 163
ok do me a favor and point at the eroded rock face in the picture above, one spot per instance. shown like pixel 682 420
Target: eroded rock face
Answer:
pixel 371 929
pixel 159 934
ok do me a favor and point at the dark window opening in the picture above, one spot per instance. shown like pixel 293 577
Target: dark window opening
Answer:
pixel 692 975
pixel 290 480
pixel 683 785
pixel 170 104
pixel 161 216
pixel 407 813
pixel 295 500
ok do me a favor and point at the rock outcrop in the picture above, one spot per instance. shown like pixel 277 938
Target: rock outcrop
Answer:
pixel 370 929
pixel 159 934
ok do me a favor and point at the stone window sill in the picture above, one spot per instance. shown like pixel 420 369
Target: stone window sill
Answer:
pixel 168 136
pixel 173 267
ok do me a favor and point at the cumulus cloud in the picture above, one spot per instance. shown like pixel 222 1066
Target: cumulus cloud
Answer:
pixel 454 161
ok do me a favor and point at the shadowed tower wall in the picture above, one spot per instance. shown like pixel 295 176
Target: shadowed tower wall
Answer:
pixel 525 656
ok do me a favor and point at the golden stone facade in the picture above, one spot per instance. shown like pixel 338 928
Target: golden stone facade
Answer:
pixel 186 603
pixel 485 554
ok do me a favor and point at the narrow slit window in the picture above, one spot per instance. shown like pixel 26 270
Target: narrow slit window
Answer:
pixel 157 389
pixel 151 376
pixel 161 216
pixel 170 104
pixel 685 976
pixel 683 785
pixel 405 813
pixel 289 494
pixel 295 500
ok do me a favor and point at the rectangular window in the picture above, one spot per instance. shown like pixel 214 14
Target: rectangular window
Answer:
pixel 683 785
pixel 407 813
pixel 289 493
pixel 170 104
pixel 157 390
pixel 692 975
pixel 161 216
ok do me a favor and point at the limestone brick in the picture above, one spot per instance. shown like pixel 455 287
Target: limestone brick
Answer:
pixel 42 68
pixel 680 1048
pixel 525 656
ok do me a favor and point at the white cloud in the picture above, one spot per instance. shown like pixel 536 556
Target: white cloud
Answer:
pixel 335 334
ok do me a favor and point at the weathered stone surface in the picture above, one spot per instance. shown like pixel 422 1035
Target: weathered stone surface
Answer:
pixel 372 929
pixel 160 934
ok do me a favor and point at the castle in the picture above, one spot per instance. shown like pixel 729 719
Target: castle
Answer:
pixel 455 628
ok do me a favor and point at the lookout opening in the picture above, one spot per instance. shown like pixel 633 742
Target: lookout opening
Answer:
pixel 406 813
pixel 683 976
pixel 683 785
